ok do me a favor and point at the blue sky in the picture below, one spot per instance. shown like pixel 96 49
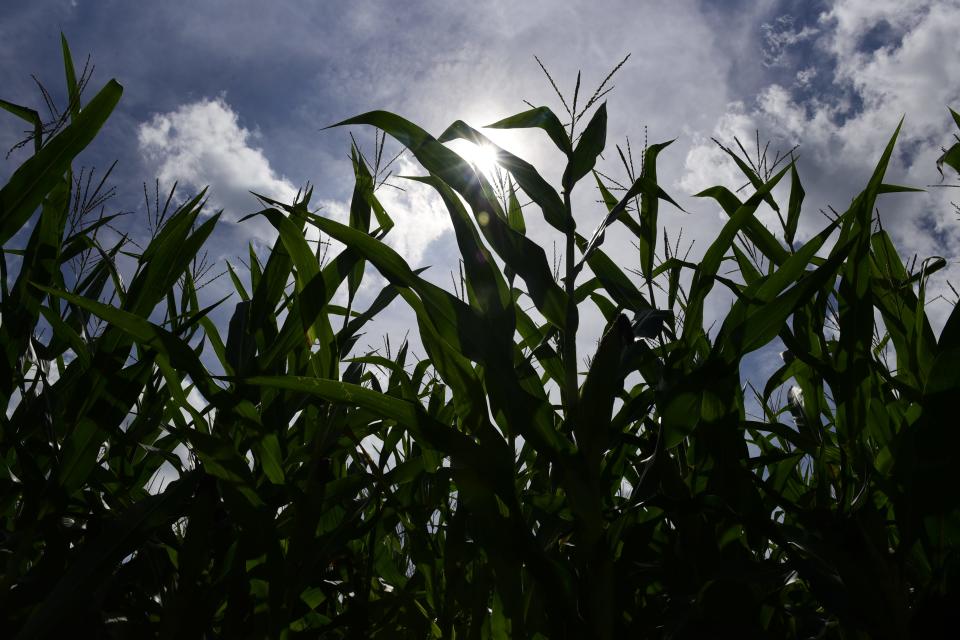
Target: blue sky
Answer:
pixel 251 84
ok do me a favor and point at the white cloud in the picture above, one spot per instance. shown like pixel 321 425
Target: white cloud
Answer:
pixel 418 213
pixel 918 78
pixel 853 19
pixel 804 76
pixel 914 74
pixel 779 36
pixel 706 164
pixel 202 143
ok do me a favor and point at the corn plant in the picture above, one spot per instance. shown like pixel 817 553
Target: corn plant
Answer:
pixel 497 487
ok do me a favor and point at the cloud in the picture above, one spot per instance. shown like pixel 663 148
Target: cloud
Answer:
pixel 202 143
pixel 913 75
pixel 804 76
pixel 779 36
pixel 910 71
pixel 697 69
pixel 418 213
pixel 853 20
pixel 706 164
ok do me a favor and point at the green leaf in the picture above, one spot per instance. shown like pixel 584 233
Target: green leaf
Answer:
pixel 469 398
pixel 755 230
pixel 31 116
pixel 704 277
pixel 359 215
pixel 523 172
pixel 73 91
pixel 269 286
pixel 538 117
pixel 752 176
pixel 237 284
pixel 310 308
pixel 460 325
pixel 406 413
pixel 523 255
pixel 80 452
pixel 748 271
pixel 902 310
pixel 41 264
pixel 649 323
pixel 381 302
pixel 679 415
pixel 591 144
pixel 219 458
pixel 611 202
pixel 515 212
pixel 618 286
pixel 603 384
pixel 168 256
pixel 763 308
pixel 649 208
pixel 856 315
pixel 483 277
pixel 95 563
pixel 315 323
pixel 67 336
pixel 147 334
pixel 268 453
pixel 793 209
pixel 800 440
pixel 950 157
pixel 31 182
pixel 642 185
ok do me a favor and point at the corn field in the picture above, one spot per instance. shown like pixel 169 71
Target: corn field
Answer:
pixel 510 491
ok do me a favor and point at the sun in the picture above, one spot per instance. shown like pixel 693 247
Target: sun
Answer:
pixel 481 156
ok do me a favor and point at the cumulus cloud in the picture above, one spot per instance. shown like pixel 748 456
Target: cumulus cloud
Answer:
pixel 706 163
pixel 779 36
pixel 852 20
pixel 915 75
pixel 417 211
pixel 202 143
pixel 805 76
pixel 911 72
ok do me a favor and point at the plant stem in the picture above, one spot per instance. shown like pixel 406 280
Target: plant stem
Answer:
pixel 571 388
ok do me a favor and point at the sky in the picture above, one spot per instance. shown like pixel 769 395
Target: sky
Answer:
pixel 236 95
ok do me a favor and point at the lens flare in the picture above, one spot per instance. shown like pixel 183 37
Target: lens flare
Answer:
pixel 481 156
